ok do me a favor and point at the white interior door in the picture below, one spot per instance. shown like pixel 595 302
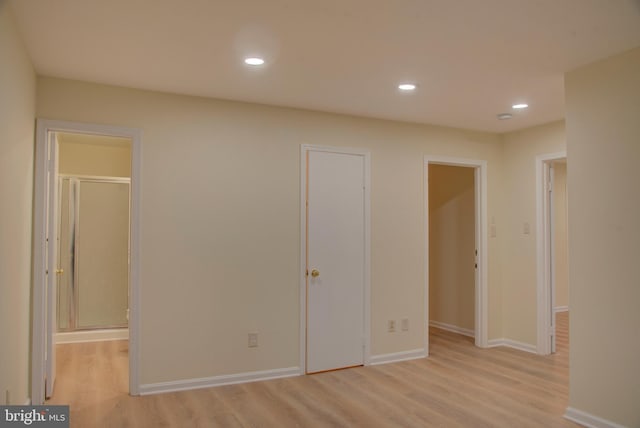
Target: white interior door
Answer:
pixel 52 271
pixel 335 260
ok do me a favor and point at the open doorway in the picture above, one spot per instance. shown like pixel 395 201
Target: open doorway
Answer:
pixel 456 246
pixel 553 284
pixel 452 249
pixel 85 254
pixel 560 280
pixel 94 174
pixel 92 266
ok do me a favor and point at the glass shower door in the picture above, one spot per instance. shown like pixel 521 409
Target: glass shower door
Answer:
pixel 94 231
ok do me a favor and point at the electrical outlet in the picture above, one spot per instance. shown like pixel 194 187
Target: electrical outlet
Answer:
pixel 391 326
pixel 405 324
pixel 253 340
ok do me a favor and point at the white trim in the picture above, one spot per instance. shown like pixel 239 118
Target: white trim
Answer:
pixel 38 333
pixel 521 346
pixel 397 357
pixel 425 252
pixel 561 309
pixel 43 127
pixel 452 328
pixel 304 149
pixel 588 420
pixel 542 250
pixel 83 336
pixel 481 328
pixel 208 382
pixel 96 177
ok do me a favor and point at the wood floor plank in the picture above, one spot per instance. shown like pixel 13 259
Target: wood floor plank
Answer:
pixel 459 385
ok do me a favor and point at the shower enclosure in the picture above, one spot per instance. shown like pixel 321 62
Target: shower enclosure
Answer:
pixel 93 255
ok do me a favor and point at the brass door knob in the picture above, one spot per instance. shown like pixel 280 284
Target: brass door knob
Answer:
pixel 59 271
pixel 315 273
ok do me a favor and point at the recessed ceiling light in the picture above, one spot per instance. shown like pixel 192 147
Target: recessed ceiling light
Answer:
pixel 520 106
pixel 254 60
pixel 504 116
pixel 407 86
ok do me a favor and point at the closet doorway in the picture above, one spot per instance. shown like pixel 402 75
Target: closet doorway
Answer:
pixel 456 274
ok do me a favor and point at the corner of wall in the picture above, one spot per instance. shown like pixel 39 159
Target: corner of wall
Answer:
pixel 17 121
pixel 516 226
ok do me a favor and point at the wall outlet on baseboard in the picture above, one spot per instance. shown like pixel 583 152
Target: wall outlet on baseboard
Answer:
pixel 253 340
pixel 391 326
pixel 405 324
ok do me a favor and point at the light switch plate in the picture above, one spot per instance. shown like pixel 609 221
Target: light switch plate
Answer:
pixel 253 340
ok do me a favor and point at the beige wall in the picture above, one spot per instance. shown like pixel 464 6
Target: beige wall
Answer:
pixel 560 234
pixel 220 221
pixel 452 245
pixel 603 130
pixel 17 113
pixel 94 155
pixel 519 251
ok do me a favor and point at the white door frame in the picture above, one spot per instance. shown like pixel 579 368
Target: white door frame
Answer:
pixel 304 149
pixel 543 246
pixel 481 275
pixel 39 322
pixel 51 252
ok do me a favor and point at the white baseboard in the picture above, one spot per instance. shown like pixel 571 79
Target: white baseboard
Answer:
pixel 92 335
pixel 452 328
pixel 396 357
pixel 588 420
pixel 561 309
pixel 207 382
pixel 526 347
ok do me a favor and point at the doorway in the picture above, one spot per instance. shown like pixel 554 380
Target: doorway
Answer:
pixel 99 286
pixel 552 258
pixel 93 237
pixel 335 258
pixel 456 246
pixel 452 248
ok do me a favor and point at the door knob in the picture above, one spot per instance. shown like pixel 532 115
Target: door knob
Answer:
pixel 315 273
pixel 59 271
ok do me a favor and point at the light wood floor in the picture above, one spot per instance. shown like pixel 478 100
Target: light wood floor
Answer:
pixel 459 385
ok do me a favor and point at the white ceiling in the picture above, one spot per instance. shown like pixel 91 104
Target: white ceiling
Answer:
pixel 472 59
